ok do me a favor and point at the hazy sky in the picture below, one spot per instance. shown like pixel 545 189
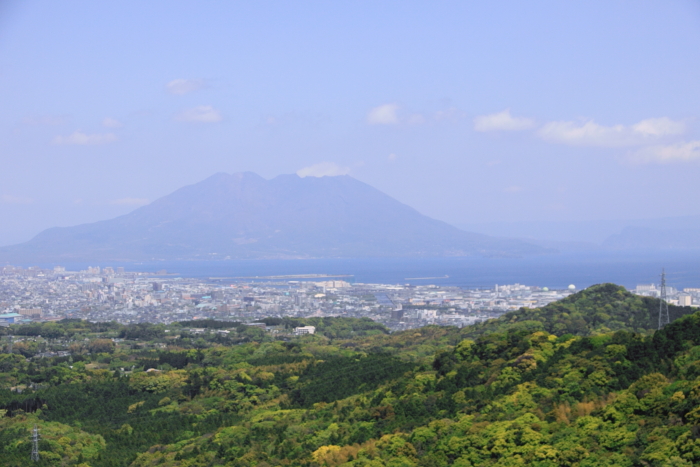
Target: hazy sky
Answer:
pixel 469 111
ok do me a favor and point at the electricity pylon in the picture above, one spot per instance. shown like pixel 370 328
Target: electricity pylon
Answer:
pixel 664 318
pixel 35 444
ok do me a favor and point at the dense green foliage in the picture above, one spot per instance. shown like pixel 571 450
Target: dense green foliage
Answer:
pixel 582 382
pixel 597 309
pixel 332 327
pixel 340 376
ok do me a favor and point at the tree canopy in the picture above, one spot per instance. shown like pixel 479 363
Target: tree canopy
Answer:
pixel 582 382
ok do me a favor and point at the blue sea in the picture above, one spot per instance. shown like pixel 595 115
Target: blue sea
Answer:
pixel 554 271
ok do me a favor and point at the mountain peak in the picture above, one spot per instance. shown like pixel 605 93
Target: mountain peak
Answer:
pixel 243 215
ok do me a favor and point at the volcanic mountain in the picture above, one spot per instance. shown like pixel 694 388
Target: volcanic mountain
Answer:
pixel 246 216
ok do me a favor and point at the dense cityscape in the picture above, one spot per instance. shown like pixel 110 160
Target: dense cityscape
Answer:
pixel 105 294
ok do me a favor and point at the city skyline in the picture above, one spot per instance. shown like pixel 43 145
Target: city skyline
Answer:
pixel 115 294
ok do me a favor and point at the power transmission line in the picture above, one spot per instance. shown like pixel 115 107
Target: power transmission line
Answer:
pixel 664 318
pixel 35 444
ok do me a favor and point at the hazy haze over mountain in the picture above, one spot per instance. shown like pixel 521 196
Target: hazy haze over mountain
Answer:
pixel 245 216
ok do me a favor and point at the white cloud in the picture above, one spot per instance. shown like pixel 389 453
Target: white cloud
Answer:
pixel 393 157
pixel 184 86
pixel 9 199
pixel 130 202
pixel 388 114
pixel 200 114
pixel 681 152
pixel 502 121
pixel 383 115
pixel 513 189
pixel 323 169
pixel 592 134
pixel 79 138
pixel 663 126
pixel 111 123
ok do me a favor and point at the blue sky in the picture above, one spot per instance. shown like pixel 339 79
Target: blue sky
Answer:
pixel 468 111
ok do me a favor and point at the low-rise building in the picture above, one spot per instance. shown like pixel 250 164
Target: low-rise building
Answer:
pixel 9 318
pixel 33 313
pixel 301 330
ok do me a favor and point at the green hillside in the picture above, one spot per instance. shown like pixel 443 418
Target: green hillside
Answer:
pixel 530 392
pixel 598 309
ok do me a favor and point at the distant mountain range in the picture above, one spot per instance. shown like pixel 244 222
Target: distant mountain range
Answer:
pixel 243 215
pixel 640 235
pixel 647 238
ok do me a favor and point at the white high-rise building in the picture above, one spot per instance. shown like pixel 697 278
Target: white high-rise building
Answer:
pixel 685 300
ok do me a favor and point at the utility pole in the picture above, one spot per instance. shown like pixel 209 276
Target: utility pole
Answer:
pixel 35 444
pixel 664 318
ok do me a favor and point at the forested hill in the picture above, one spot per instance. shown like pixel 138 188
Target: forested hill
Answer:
pixel 148 395
pixel 598 309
